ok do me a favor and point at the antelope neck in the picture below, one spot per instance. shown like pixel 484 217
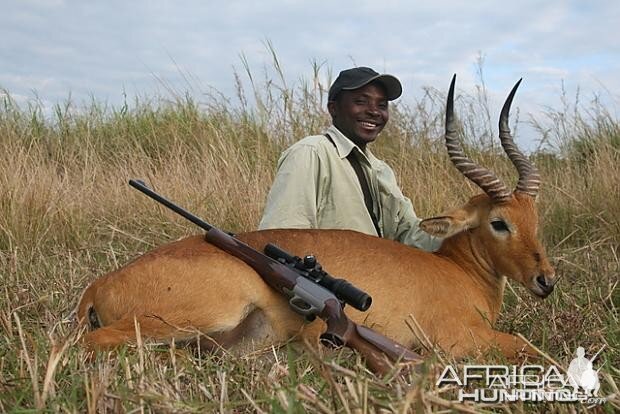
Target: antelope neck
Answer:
pixel 464 249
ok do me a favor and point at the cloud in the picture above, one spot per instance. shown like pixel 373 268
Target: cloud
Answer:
pixel 103 48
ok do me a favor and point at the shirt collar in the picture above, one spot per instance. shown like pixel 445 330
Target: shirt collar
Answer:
pixel 344 146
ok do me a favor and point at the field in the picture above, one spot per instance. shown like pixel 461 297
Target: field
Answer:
pixel 68 216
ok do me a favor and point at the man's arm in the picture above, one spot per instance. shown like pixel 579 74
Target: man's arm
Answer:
pixel 406 227
pixel 409 231
pixel 293 199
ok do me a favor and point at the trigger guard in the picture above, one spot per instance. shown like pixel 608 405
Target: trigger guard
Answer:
pixel 302 307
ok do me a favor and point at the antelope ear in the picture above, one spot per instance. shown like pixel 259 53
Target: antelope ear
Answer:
pixel 449 224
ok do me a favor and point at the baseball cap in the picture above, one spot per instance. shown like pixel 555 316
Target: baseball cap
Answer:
pixel 355 78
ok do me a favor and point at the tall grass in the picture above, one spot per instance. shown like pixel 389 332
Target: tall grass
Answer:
pixel 67 216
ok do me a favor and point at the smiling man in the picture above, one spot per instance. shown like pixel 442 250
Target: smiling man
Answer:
pixel 332 181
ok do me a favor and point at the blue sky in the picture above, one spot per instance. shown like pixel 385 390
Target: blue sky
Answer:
pixel 102 49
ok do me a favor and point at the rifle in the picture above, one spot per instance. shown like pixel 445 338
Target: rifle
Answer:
pixel 301 283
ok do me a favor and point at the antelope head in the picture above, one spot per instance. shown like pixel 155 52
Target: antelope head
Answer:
pixel 495 233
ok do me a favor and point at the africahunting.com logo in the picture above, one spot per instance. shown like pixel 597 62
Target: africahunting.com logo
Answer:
pixel 532 383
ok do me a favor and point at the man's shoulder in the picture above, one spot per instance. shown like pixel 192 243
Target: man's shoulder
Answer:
pixel 314 143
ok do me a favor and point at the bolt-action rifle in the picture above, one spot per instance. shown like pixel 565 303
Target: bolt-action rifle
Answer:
pixel 312 292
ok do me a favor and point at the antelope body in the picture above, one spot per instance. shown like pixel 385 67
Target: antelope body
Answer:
pixel 190 288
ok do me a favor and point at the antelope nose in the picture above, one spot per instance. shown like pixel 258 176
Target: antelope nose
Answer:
pixel 545 283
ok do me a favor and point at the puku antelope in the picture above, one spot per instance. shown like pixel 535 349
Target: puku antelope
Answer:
pixel 455 294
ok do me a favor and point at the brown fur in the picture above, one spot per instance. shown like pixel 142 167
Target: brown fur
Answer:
pixel 455 295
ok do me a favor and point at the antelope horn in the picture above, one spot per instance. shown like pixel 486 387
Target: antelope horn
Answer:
pixel 529 179
pixel 483 178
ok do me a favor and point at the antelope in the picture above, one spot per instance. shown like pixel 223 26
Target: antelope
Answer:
pixel 455 294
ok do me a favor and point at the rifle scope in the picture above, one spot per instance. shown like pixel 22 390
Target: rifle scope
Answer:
pixel 312 270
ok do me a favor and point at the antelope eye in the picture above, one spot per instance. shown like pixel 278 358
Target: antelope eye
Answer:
pixel 500 225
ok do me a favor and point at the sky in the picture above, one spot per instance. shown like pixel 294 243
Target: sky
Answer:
pixel 106 50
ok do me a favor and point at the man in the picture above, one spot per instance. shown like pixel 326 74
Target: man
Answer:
pixel 333 181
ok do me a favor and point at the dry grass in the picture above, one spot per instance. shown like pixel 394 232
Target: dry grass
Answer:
pixel 67 216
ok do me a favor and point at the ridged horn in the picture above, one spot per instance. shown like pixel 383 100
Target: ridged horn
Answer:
pixel 483 178
pixel 529 179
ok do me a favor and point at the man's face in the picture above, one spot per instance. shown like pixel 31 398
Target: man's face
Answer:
pixel 360 114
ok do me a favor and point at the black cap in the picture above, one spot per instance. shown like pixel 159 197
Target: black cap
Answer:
pixel 355 78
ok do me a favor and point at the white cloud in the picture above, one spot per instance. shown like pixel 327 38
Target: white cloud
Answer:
pixel 549 71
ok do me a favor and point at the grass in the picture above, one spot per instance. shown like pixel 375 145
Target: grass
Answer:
pixel 67 216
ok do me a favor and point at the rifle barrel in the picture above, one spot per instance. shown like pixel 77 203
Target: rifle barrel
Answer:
pixel 141 186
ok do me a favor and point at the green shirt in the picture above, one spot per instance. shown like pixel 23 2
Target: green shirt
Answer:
pixel 316 187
